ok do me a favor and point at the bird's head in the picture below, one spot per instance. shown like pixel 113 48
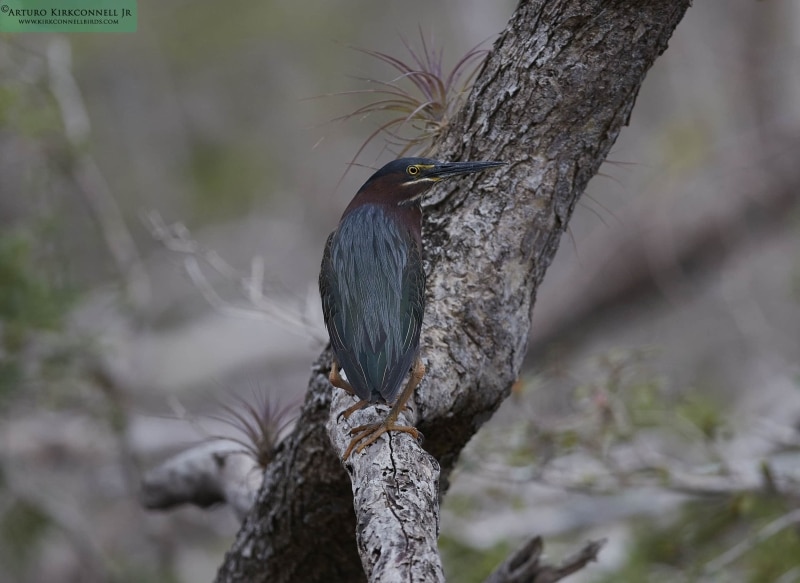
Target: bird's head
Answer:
pixel 404 181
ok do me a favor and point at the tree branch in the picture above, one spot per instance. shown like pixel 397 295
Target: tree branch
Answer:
pixel 396 500
pixel 550 100
pixel 87 175
pixel 524 565
pixel 205 475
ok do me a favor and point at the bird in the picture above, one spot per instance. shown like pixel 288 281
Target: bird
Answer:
pixel 372 286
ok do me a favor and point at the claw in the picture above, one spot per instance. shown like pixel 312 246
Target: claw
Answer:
pixel 371 432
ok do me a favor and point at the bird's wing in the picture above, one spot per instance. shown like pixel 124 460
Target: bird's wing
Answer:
pixel 334 311
pixel 373 302
pixel 411 309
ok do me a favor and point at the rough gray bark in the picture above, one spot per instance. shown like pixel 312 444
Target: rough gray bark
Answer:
pixel 395 497
pixel 550 100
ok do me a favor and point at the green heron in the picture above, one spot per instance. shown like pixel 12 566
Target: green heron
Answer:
pixel 372 285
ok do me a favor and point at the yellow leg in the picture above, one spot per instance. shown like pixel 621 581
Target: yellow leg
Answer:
pixel 370 433
pixel 337 381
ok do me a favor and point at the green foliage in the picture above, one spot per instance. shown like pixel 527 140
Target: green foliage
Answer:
pixel 213 32
pixel 625 398
pixel 466 564
pixel 794 282
pixel 28 110
pixel 227 180
pixel 29 302
pixel 461 505
pixel 27 299
pixel 8 100
pixel 21 527
pixel 139 573
pixel 704 529
pixel 704 414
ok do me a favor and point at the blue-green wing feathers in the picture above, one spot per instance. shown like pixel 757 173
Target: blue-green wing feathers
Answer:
pixel 372 285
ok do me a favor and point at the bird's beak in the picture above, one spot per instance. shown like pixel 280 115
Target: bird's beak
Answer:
pixel 444 170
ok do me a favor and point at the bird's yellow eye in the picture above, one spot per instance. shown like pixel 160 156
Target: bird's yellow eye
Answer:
pixel 412 170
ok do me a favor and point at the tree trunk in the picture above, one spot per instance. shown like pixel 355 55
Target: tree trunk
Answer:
pixel 551 99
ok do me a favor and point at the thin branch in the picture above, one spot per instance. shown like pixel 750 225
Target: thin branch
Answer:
pixel 714 566
pixel 205 475
pixel 259 304
pixel 525 564
pixel 88 176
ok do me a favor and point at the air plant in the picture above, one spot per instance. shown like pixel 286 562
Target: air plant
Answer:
pixel 261 423
pixel 421 101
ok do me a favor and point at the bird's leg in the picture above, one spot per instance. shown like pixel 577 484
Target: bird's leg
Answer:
pixel 337 381
pixel 372 431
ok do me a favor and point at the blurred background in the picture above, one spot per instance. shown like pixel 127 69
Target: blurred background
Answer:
pixel 150 183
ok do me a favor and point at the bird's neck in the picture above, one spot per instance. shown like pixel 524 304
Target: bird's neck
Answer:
pixel 409 215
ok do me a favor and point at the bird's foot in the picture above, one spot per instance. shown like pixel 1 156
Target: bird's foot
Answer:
pixel 370 433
